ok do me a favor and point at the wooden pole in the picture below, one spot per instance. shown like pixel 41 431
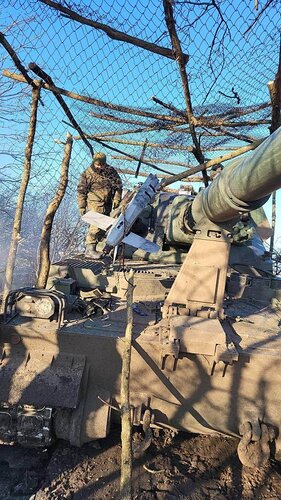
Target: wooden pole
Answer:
pixel 96 102
pixel 16 60
pixel 111 32
pixel 170 107
pixel 275 95
pixel 15 237
pixel 118 119
pixel 44 247
pixel 158 160
pixel 199 121
pixel 159 145
pixel 127 171
pixel 171 25
pixel 210 163
pixel 233 112
pixel 105 145
pixel 204 122
pixel 126 420
pixel 42 74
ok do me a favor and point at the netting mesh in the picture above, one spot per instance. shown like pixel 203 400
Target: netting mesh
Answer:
pixel 233 50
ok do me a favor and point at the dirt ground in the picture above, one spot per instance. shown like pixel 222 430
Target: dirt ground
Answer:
pixel 185 466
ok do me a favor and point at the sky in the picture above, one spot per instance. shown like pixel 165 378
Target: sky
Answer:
pixel 89 62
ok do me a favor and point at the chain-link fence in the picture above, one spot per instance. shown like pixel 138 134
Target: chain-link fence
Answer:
pixel 99 50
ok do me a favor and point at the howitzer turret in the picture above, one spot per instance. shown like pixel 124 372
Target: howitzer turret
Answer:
pixel 243 186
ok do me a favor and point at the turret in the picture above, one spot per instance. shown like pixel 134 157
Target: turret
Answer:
pixel 242 187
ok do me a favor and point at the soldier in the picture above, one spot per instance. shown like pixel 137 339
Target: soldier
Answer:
pixel 99 189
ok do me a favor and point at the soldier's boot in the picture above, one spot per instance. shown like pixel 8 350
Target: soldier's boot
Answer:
pixel 91 251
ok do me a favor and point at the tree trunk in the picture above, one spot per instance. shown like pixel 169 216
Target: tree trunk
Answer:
pixel 15 238
pixel 44 248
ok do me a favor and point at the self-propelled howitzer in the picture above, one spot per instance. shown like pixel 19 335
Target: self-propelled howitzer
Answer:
pixel 206 353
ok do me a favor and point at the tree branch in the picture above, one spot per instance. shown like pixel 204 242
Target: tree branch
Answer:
pixel 210 163
pixel 234 112
pixel 112 33
pixel 130 131
pixel 169 17
pixel 44 248
pixel 258 16
pixel 16 231
pixel 38 71
pixel 239 137
pixel 170 107
pixel 97 102
pixel 127 171
pixel 140 143
pixel 200 122
pixel 130 156
pixel 166 162
pixel 17 62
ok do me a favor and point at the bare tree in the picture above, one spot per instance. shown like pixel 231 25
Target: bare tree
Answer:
pixel 44 249
pixel 15 237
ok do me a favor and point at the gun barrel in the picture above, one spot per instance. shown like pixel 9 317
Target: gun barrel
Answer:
pixel 243 185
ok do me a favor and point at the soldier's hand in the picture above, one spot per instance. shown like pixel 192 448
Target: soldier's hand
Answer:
pixel 82 211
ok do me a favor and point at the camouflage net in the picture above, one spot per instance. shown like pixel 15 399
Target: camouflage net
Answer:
pixel 233 50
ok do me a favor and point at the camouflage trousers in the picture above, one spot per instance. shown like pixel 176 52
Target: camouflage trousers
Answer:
pixel 94 234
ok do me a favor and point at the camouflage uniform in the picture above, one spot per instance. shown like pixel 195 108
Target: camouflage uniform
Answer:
pixel 99 189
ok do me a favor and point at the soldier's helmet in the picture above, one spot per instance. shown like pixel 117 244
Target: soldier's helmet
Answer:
pixel 99 158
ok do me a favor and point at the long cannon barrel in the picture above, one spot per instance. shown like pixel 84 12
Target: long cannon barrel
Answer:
pixel 242 186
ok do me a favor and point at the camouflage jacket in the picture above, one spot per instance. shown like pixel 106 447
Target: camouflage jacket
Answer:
pixel 102 185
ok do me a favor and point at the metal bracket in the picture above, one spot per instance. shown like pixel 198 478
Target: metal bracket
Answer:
pixel 170 348
pixel 205 263
pixel 254 452
pixel 226 353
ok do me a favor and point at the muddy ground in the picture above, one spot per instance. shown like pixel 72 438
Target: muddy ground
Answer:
pixel 185 466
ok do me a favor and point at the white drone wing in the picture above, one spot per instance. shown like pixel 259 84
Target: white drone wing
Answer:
pixel 105 222
pixel 100 220
pixel 118 229
pixel 139 242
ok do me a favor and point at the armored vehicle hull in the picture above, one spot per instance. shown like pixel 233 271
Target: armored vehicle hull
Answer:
pixel 193 373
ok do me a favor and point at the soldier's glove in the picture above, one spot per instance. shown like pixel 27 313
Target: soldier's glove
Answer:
pixel 82 211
